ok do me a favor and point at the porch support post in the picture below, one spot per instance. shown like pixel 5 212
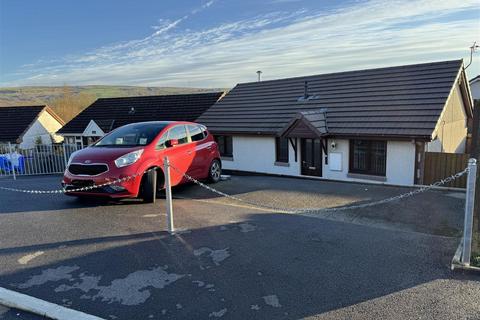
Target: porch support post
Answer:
pixel 324 143
pixel 294 143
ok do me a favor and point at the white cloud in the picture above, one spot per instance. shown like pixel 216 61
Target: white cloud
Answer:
pixel 363 35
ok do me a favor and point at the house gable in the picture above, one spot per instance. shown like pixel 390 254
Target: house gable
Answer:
pixel 43 127
pixel 451 130
pixel 306 124
pixel 93 130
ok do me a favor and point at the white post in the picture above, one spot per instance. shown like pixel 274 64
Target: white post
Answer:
pixel 65 160
pixel 168 193
pixel 11 161
pixel 469 205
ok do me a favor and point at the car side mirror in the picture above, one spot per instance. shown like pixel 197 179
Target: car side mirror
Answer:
pixel 172 143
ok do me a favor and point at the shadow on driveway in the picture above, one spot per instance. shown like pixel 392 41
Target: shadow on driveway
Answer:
pixel 268 267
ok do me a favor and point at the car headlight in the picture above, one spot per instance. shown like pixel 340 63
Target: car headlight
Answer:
pixel 129 158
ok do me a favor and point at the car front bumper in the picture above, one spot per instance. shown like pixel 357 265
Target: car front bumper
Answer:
pixel 123 189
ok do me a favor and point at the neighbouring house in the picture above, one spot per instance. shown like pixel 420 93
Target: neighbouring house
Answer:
pixel 29 125
pixel 367 126
pixel 107 114
pixel 475 87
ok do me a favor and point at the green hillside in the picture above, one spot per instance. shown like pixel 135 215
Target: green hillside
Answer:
pixel 68 101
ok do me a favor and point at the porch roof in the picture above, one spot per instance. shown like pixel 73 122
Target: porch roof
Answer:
pixel 306 124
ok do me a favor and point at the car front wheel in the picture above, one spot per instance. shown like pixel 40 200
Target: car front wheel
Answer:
pixel 215 171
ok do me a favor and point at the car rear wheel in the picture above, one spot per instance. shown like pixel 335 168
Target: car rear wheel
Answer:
pixel 215 171
pixel 149 187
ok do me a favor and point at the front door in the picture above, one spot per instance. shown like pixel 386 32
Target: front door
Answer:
pixel 311 157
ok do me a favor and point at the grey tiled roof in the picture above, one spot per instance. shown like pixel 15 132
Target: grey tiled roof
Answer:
pixel 401 101
pixel 15 120
pixel 111 113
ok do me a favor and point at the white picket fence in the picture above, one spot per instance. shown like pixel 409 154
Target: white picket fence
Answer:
pixel 41 159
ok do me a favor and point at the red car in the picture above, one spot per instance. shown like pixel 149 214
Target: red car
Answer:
pixel 137 147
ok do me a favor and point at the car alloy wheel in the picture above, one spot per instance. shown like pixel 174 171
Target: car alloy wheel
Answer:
pixel 215 171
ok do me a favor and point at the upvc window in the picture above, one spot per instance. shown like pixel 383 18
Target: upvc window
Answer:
pixel 368 157
pixel 281 150
pixel 225 145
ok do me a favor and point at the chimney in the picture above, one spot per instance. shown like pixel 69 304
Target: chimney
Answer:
pixel 259 73
pixel 305 91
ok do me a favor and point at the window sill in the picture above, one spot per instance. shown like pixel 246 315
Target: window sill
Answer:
pixel 366 177
pixel 281 164
pixel 226 158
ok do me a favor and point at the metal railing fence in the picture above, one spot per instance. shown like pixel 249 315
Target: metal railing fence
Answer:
pixel 37 160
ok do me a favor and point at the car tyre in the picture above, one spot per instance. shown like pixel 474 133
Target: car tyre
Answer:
pixel 149 187
pixel 215 171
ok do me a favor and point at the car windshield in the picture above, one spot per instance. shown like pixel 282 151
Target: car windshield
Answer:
pixel 132 135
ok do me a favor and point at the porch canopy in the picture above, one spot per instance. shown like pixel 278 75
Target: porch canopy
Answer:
pixel 310 124
pixel 306 124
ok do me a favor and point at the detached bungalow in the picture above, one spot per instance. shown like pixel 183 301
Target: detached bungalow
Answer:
pixel 369 125
pixel 107 114
pixel 29 125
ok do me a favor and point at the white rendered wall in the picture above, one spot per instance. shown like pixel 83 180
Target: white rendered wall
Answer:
pixel 400 162
pixel 257 154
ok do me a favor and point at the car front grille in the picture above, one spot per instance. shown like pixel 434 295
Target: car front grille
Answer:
pixel 87 169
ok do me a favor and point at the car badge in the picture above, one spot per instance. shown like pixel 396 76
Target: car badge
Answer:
pixel 88 161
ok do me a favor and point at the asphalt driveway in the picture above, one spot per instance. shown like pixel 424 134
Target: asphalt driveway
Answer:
pixel 115 260
pixel 437 212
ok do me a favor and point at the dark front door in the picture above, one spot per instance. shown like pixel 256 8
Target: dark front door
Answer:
pixel 311 157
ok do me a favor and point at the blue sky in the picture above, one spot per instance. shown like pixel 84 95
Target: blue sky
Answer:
pixel 218 43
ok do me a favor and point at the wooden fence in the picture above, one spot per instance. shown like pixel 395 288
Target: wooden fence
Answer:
pixel 440 165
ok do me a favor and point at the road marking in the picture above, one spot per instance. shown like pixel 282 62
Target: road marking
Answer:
pixel 39 307
pixel 26 259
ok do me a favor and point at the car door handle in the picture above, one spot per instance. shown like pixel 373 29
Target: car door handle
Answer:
pixel 189 152
pixel 209 147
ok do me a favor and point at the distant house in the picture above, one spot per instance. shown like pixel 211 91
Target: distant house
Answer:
pixel 475 87
pixel 369 125
pixel 107 114
pixel 29 125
